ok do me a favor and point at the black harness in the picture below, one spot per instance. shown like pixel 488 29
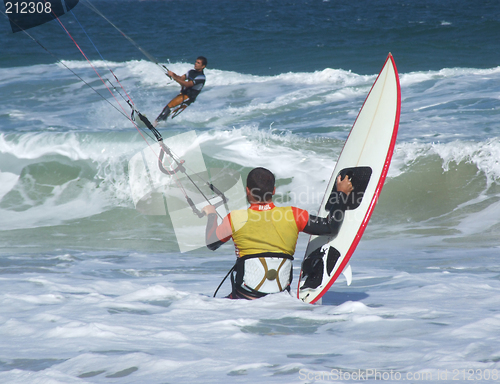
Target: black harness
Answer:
pixel 241 291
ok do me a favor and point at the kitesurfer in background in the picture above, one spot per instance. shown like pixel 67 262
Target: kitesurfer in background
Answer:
pixel 265 236
pixel 191 82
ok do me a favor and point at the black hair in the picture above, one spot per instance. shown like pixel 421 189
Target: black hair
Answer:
pixel 260 182
pixel 203 60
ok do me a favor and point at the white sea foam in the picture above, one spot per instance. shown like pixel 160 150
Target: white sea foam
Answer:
pixel 198 338
pixel 483 155
pixel 288 155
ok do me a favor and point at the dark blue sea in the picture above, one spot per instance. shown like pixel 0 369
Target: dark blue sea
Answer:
pixel 99 286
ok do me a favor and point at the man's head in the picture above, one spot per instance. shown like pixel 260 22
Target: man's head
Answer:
pixel 260 185
pixel 200 63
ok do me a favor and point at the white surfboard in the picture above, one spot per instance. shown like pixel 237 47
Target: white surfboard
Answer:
pixel 365 158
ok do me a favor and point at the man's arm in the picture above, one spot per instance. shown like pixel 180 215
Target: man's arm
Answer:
pixel 212 240
pixel 327 226
pixel 330 225
pixel 181 79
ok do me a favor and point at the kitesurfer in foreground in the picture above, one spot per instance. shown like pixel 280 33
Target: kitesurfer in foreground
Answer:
pixel 191 82
pixel 265 236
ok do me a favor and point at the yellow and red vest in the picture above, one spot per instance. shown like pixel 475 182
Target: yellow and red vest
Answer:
pixel 263 228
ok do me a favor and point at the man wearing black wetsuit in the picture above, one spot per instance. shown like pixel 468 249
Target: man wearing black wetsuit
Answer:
pixel 191 82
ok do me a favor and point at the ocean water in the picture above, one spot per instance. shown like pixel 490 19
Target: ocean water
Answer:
pixel 93 290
